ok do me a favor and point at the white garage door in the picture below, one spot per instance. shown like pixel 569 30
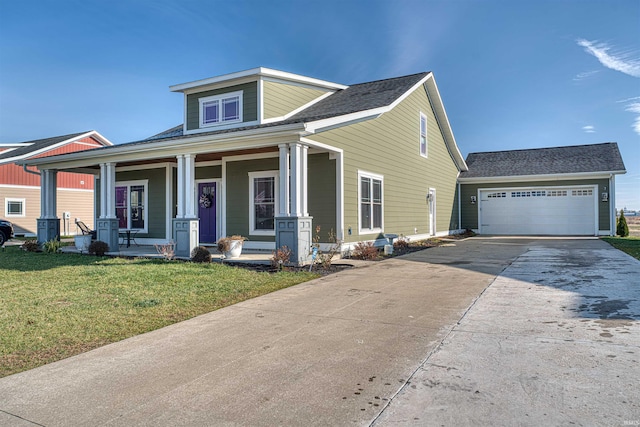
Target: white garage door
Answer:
pixel 538 211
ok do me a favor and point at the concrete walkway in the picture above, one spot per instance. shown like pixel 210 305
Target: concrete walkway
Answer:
pixel 352 349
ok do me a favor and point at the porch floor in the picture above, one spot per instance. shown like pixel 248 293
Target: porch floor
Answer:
pixel 149 251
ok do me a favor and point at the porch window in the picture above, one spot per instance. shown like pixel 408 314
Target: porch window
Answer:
pixel 14 207
pixel 221 109
pixel 263 201
pixel 423 135
pixel 131 202
pixel 371 213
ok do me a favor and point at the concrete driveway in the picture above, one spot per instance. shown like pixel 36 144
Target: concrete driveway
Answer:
pixel 433 338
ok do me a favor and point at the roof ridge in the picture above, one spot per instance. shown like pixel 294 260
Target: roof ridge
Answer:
pixel 543 148
pixel 424 73
pixel 35 141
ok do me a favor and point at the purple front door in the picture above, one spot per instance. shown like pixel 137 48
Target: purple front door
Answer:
pixel 207 211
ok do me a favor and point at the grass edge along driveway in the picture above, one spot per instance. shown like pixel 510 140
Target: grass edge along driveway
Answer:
pixel 58 305
pixel 629 245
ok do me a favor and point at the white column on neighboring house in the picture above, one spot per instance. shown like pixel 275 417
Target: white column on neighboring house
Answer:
pixel 303 180
pixel 107 190
pixel 284 180
pixel 44 176
pixel 189 184
pixel 296 179
pixel 180 199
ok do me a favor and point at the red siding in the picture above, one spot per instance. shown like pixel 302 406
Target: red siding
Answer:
pixel 81 145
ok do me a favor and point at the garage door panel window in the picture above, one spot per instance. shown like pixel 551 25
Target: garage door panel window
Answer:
pixel 557 193
pixel 585 192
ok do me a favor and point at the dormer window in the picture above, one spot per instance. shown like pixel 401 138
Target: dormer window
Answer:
pixel 221 109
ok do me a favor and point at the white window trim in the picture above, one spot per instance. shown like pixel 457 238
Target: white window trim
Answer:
pixel 426 135
pixel 8 200
pixel 363 174
pixel 262 174
pixel 202 101
pixel 129 184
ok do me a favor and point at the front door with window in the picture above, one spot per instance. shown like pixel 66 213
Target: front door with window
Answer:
pixel 207 211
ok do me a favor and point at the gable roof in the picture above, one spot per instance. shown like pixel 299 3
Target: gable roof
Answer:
pixel 576 159
pixel 27 149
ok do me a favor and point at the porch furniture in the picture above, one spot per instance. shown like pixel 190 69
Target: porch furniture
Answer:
pixel 86 230
pixel 128 236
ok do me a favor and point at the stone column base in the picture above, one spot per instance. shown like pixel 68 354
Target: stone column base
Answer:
pixel 48 229
pixel 186 235
pixel 108 232
pixel 296 234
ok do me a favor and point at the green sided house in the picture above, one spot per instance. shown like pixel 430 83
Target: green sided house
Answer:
pixel 271 155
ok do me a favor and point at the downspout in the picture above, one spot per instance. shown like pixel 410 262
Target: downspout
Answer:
pixel 612 204
pixel 459 206
pixel 30 171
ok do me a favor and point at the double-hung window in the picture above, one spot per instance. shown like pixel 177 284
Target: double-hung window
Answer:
pixel 423 135
pixel 221 109
pixel 14 207
pixel 263 202
pixel 370 195
pixel 131 203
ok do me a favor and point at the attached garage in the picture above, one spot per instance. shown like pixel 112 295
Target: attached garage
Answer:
pixel 562 191
pixel 538 211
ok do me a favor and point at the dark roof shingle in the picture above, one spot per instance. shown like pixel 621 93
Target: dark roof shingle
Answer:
pixel 545 161
pixel 38 144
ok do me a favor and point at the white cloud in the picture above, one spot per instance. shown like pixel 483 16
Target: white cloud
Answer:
pixel 616 61
pixel 589 129
pixel 583 76
pixel 634 107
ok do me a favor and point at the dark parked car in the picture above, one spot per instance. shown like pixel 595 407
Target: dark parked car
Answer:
pixel 6 231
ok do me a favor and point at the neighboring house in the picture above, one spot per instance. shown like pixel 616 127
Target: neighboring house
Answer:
pixel 20 187
pixel 271 156
pixel 546 191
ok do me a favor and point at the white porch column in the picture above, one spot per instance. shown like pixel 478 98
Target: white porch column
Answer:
pixel 296 179
pixel 107 225
pixel 284 180
pixel 303 181
pixel 180 202
pixel 48 224
pixel 189 186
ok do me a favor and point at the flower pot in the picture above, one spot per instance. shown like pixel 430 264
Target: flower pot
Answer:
pixel 82 242
pixel 235 249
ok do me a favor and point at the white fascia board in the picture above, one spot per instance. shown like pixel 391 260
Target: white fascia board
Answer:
pixel 256 72
pixel 299 109
pixel 548 177
pixel 321 146
pixel 346 119
pixel 443 121
pixel 197 144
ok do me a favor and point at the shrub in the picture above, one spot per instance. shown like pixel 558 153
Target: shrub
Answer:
pixel 365 251
pixel 322 257
pixel 280 257
pixel 30 246
pixel 51 246
pixel 98 248
pixel 622 229
pixel 167 251
pixel 200 254
pixel 401 244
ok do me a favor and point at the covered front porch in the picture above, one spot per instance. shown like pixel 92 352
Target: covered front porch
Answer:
pixel 258 189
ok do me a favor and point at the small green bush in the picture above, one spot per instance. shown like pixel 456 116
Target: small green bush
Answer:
pixel 98 248
pixel 622 229
pixel 51 246
pixel 200 254
pixel 31 246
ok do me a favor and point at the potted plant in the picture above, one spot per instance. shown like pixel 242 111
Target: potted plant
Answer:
pixel 231 246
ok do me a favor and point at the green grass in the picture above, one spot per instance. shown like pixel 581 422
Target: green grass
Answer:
pixel 57 305
pixel 630 245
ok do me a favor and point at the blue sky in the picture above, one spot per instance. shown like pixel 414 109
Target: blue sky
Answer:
pixel 512 74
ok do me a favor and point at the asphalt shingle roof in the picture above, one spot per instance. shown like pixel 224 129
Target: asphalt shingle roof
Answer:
pixel 35 145
pixel 355 98
pixel 544 161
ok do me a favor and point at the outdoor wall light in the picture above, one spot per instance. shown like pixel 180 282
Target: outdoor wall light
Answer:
pixel 473 200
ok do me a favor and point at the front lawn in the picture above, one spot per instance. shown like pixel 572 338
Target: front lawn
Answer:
pixel 630 245
pixel 57 305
